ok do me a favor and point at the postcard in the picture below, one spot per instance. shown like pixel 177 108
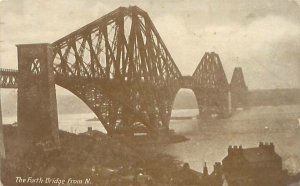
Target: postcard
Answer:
pixel 150 93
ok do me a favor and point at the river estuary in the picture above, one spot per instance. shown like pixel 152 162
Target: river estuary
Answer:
pixel 208 141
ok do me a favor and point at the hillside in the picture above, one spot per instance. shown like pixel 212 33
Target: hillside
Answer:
pixel 70 104
pixel 274 97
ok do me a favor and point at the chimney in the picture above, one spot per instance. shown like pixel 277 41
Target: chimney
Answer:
pixel 90 129
pixel 205 170
pixel 240 149
pixel 230 150
pixel 235 150
pixel 186 166
pixel 217 168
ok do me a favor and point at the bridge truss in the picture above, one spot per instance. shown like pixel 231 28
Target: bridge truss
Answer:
pixel 8 78
pixel 119 66
pixel 210 86
pixel 238 89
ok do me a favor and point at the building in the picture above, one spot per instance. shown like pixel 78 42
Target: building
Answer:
pixel 215 178
pixel 259 166
pixel 185 176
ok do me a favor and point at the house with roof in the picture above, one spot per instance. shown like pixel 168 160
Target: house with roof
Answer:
pixel 258 166
pixel 185 176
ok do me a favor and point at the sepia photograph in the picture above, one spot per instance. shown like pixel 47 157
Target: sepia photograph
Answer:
pixel 150 93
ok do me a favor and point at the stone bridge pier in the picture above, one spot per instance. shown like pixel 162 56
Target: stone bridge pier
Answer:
pixel 37 107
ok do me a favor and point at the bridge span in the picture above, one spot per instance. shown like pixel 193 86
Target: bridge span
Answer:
pixel 122 70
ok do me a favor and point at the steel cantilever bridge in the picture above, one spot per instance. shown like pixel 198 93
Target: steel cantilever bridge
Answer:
pixel 119 66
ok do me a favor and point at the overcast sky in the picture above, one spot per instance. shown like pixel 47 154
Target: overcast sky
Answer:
pixel 262 36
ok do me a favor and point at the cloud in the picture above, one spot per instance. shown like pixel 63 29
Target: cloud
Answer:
pixel 257 47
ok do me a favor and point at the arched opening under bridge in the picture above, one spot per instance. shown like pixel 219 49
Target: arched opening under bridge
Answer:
pixel 73 114
pixel 185 111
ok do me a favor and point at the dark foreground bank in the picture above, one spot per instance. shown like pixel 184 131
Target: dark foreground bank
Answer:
pixel 90 159
pixel 96 159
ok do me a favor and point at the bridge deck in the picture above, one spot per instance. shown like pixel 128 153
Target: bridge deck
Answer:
pixel 8 78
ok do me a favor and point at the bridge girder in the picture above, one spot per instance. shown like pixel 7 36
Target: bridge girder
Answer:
pixel 121 63
pixel 238 89
pixel 210 86
pixel 8 78
pixel 120 67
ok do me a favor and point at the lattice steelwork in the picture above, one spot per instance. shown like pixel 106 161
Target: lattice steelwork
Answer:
pixel 120 67
pixel 237 80
pixel 210 85
pixel 8 78
pixel 238 89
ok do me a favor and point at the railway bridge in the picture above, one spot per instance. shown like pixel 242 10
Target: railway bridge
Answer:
pixel 121 69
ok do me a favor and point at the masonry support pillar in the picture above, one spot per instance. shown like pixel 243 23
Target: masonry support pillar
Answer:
pixel 227 107
pixel 37 106
pixel 229 102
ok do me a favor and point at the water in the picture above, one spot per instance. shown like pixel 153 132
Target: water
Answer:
pixel 209 140
pixel 77 123
pixel 74 123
